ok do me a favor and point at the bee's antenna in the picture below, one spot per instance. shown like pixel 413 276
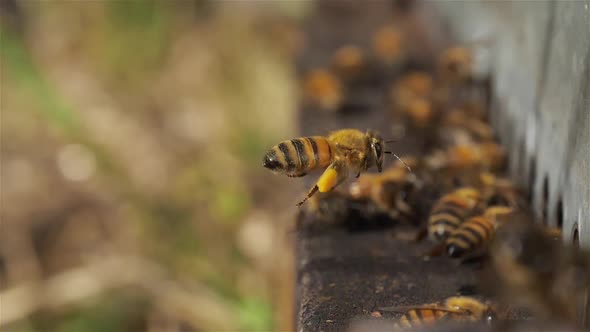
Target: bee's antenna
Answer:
pixel 398 158
pixel 391 141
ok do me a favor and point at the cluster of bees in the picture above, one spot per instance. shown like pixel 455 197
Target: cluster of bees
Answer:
pixel 351 67
pixel 453 192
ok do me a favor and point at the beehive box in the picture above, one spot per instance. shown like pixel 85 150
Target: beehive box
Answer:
pixel 538 56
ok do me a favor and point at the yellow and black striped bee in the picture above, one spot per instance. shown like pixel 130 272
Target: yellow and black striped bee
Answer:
pixel 451 210
pixel 455 308
pixel 477 232
pixel 343 152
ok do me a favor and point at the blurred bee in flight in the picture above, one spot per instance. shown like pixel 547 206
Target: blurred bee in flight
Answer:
pixel 343 152
pixel 455 308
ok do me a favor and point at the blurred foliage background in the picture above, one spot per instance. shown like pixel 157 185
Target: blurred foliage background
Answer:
pixel 131 188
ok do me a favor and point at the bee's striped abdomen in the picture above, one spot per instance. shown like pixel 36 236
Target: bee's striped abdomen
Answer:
pixel 421 316
pixel 299 155
pixel 445 218
pixel 473 234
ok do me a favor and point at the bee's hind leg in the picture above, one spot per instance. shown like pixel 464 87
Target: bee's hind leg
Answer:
pixel 309 194
pixel 335 174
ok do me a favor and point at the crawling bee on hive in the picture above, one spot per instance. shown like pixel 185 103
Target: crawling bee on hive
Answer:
pixel 477 232
pixel 342 152
pixel 451 210
pixel 391 191
pixel 455 308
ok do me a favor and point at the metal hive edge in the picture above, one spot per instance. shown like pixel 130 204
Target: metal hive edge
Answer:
pixel 538 56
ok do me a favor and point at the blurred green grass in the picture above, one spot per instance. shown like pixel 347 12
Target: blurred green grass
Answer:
pixel 188 223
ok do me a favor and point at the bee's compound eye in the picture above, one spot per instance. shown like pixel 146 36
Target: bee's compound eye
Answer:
pixel 271 161
pixel 378 150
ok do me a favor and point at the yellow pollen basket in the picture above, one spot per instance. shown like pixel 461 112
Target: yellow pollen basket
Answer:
pixel 328 180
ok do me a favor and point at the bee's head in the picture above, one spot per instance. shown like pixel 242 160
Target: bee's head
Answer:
pixel 376 144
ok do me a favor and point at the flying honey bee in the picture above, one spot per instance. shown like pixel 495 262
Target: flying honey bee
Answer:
pixel 343 152
pixel 455 308
pixel 451 210
pixel 477 232
pixel 323 89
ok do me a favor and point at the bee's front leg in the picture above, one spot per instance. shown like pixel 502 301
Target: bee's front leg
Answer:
pixel 363 165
